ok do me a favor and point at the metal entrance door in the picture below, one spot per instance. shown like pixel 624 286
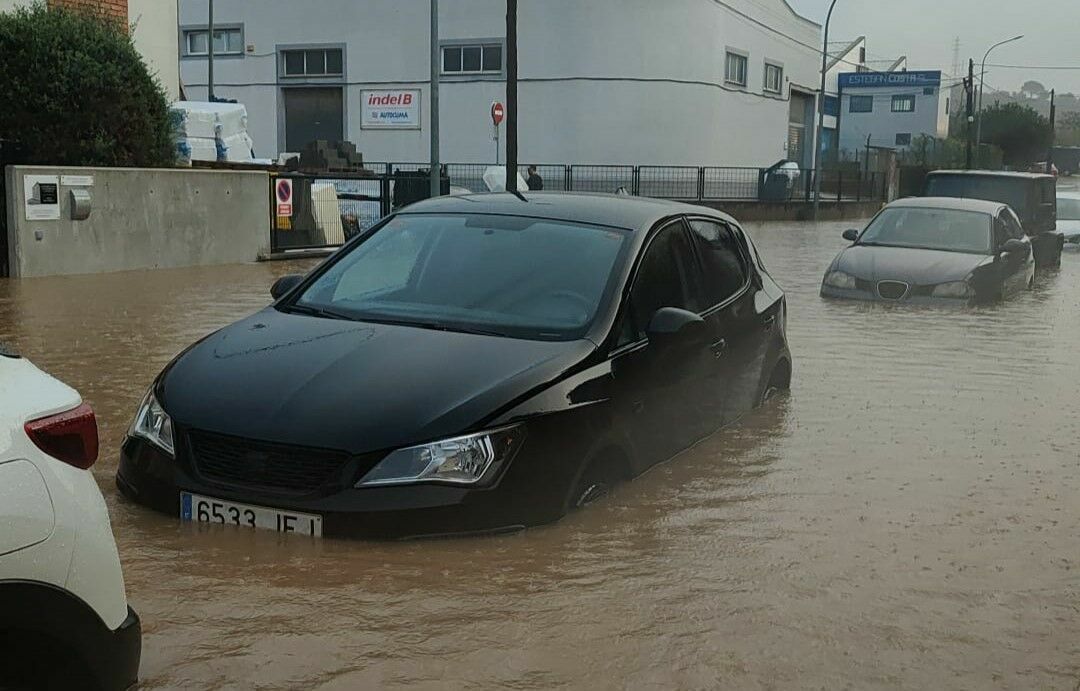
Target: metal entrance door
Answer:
pixel 311 114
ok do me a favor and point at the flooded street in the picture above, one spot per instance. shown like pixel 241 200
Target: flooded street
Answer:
pixel 908 518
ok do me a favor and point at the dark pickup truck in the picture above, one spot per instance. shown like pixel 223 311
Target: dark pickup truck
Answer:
pixel 1032 196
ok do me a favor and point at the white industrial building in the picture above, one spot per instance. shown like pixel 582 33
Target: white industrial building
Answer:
pixel 678 82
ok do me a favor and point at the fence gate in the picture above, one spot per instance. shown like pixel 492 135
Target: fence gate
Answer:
pixel 324 210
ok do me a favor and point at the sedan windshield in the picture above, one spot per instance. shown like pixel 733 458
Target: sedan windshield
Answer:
pixel 952 230
pixel 504 275
pixel 1068 209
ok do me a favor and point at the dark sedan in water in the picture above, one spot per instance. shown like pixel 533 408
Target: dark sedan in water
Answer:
pixel 934 250
pixel 470 364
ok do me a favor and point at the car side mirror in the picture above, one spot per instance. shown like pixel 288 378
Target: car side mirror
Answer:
pixel 1014 246
pixel 671 325
pixel 851 235
pixel 284 284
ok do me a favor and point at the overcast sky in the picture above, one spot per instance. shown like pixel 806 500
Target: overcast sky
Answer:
pixel 925 30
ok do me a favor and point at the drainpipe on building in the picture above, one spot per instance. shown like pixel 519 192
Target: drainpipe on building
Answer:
pixel 820 133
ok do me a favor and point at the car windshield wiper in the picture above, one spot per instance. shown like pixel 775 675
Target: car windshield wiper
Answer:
pixel 433 325
pixel 316 312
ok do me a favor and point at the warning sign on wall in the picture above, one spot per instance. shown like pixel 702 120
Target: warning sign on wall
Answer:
pixel 283 193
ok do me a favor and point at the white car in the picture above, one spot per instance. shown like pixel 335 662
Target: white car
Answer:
pixel 64 617
pixel 1068 217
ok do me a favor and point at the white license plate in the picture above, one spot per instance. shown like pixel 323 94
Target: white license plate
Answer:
pixel 200 509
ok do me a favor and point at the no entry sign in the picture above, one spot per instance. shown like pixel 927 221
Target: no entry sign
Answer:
pixel 498 113
pixel 283 190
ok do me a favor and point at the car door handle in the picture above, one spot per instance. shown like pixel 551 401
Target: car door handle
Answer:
pixel 719 348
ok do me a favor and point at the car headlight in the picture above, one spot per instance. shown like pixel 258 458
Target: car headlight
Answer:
pixel 464 460
pixel 839 279
pixel 953 289
pixel 153 424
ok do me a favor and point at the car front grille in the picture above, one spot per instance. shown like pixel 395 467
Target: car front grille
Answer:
pixel 892 290
pixel 255 464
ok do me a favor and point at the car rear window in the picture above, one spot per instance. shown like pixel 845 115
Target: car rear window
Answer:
pixel 1011 191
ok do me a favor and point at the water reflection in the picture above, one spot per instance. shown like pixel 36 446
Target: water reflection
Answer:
pixel 907 518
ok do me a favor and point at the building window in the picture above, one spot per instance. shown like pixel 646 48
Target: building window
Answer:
pixel 862 53
pixel 774 78
pixel 735 69
pixel 929 91
pixel 903 104
pixel 227 41
pixel 313 62
pixel 472 59
pixel 861 104
pixel 903 139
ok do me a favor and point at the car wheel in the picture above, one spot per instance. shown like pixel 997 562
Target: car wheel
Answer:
pixel 779 382
pixel 596 483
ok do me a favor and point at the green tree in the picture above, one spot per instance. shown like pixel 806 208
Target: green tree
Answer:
pixel 1023 135
pixel 75 92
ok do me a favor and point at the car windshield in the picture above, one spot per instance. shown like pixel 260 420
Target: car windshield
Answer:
pixel 952 230
pixel 1011 191
pixel 503 275
pixel 1068 209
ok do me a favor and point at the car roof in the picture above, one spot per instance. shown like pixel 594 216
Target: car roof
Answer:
pixel 957 203
pixel 621 211
pixel 994 174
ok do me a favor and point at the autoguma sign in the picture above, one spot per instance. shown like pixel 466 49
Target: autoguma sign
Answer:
pixel 391 109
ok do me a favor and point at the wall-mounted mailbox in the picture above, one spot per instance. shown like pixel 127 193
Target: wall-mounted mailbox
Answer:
pixel 80 204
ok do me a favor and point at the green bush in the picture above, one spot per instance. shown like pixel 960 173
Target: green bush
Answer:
pixel 74 91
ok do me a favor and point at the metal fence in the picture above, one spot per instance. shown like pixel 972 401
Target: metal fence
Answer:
pixel 329 208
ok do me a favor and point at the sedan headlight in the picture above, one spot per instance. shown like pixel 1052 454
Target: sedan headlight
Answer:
pixel 953 289
pixel 839 279
pixel 464 460
pixel 153 424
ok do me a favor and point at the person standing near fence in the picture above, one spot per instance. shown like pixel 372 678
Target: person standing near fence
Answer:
pixel 535 182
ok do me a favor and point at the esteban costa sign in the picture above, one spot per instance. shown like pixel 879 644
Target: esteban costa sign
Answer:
pixel 850 80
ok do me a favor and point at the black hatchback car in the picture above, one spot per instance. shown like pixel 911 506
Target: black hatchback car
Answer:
pixel 934 250
pixel 476 363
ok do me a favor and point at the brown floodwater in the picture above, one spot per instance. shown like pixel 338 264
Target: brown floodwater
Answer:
pixel 908 518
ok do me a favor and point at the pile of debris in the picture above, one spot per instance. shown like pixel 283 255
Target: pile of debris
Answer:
pixel 323 155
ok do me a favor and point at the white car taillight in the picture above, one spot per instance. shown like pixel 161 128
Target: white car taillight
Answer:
pixel 71 436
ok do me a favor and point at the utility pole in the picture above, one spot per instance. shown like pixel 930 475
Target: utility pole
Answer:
pixel 956 57
pixel 1053 131
pixel 820 133
pixel 436 167
pixel 511 96
pixel 210 52
pixel 969 87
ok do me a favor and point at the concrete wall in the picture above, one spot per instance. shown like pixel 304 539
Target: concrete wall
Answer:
pixel 9 5
pixel 603 81
pixel 153 29
pixel 141 219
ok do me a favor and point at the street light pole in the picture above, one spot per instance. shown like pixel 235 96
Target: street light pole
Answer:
pixel 982 82
pixel 820 133
pixel 436 166
pixel 511 96
pixel 210 52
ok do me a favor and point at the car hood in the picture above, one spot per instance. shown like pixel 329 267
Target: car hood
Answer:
pixel 353 386
pixel 914 266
